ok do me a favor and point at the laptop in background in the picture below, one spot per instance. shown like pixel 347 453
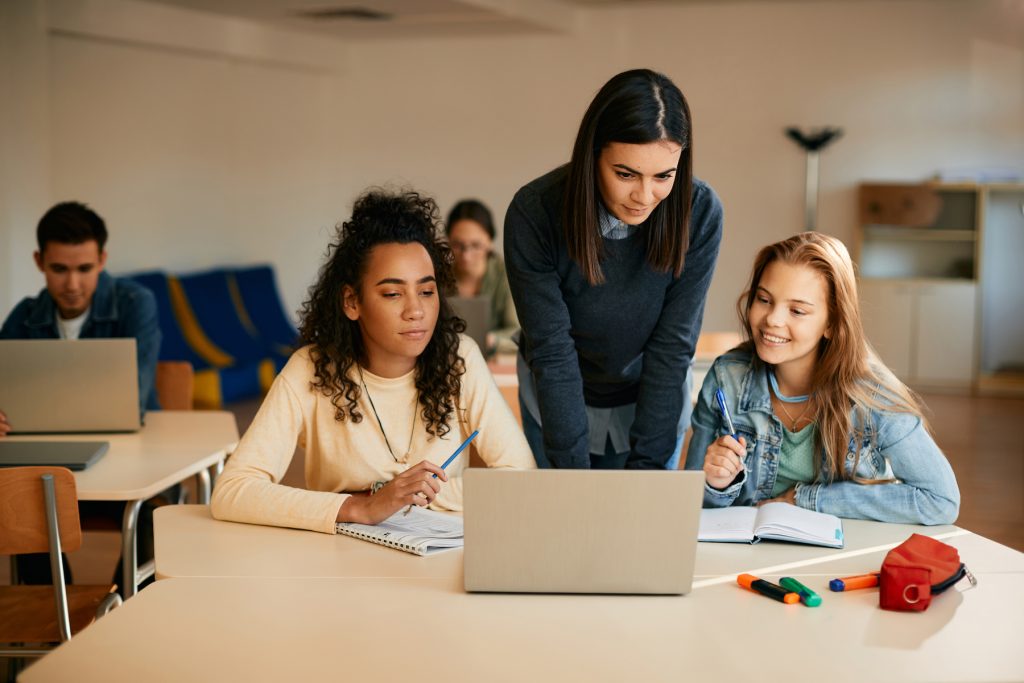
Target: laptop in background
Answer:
pixel 581 531
pixel 53 386
pixel 75 455
pixel 476 311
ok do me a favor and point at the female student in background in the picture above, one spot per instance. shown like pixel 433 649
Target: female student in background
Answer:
pixel 480 272
pixel 383 391
pixel 819 421
pixel 609 260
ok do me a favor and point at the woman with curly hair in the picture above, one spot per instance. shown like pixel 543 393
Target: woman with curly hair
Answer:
pixel 383 388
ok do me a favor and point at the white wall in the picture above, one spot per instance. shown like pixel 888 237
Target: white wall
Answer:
pixel 197 157
pixel 917 86
pixel 24 143
pixel 196 161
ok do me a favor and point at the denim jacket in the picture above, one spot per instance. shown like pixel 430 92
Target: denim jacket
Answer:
pixel 894 445
pixel 120 308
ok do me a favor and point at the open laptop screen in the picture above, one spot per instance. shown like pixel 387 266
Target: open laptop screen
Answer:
pixel 581 531
pixel 59 386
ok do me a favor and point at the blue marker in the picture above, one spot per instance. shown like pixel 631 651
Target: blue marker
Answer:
pixel 720 397
pixel 450 459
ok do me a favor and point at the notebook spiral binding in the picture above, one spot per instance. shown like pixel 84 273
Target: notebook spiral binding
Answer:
pixel 342 529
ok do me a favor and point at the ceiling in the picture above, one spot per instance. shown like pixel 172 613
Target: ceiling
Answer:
pixel 413 18
pixel 398 18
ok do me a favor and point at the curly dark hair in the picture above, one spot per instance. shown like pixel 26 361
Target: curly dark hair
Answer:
pixel 381 217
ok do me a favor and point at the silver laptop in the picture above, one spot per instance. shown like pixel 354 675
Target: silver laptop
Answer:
pixel 581 531
pixel 82 385
pixel 75 455
pixel 476 311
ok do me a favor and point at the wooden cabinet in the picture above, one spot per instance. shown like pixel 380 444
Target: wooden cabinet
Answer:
pixel 924 330
pixel 1001 259
pixel 942 281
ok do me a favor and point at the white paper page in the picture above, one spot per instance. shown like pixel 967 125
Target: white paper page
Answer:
pixel 421 528
pixel 785 521
pixel 727 524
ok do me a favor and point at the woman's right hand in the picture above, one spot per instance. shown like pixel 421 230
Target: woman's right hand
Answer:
pixel 723 461
pixel 415 486
pixel 5 426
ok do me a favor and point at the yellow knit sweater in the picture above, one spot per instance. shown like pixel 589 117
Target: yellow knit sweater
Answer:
pixel 348 456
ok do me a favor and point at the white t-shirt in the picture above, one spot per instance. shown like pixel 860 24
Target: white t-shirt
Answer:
pixel 72 327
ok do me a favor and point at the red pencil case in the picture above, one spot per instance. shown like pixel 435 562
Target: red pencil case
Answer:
pixel 917 569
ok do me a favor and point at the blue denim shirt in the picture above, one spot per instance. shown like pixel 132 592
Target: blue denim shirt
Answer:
pixel 119 309
pixel 895 445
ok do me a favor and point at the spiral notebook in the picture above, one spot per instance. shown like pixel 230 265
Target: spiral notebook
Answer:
pixel 421 532
pixel 772 521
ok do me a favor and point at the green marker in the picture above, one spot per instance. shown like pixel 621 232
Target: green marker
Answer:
pixel 807 596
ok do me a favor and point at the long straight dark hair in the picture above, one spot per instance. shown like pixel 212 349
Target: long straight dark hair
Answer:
pixel 635 107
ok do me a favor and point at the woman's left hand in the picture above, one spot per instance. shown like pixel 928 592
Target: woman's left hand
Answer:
pixel 787 496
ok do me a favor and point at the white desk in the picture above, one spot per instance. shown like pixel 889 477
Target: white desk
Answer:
pixel 266 629
pixel 190 543
pixel 173 446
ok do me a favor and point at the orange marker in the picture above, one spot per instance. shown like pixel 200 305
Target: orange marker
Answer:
pixel 767 589
pixel 852 583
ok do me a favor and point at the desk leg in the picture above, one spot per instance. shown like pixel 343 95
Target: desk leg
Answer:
pixel 203 486
pixel 129 543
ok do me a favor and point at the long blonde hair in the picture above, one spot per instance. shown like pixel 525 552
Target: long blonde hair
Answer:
pixel 849 378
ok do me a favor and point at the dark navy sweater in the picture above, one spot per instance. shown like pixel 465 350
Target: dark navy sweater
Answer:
pixel 628 340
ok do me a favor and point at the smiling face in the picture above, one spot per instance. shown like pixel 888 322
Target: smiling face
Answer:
pixel 72 272
pixel 396 308
pixel 634 179
pixel 788 318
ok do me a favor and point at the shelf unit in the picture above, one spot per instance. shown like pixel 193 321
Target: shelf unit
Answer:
pixel 942 282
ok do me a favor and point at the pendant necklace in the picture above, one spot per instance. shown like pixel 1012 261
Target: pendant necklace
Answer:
pixel 408 449
pixel 783 400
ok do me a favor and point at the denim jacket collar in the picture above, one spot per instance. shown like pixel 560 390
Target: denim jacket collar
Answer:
pixel 102 308
pixel 754 394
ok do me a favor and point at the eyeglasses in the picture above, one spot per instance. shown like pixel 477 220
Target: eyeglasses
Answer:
pixel 469 247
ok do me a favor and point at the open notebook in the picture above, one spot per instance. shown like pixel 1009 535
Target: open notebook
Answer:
pixel 774 521
pixel 421 532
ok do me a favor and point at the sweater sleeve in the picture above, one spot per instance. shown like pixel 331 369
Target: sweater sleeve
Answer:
pixel 669 350
pixel 531 260
pixel 249 490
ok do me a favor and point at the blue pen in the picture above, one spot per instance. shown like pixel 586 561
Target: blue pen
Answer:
pixel 451 457
pixel 720 397
pixel 459 450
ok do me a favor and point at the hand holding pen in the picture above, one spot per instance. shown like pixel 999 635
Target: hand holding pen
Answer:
pixel 723 459
pixel 435 485
pixel 418 484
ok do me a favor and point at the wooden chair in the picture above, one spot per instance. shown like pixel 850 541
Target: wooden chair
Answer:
pixel 175 381
pixel 39 513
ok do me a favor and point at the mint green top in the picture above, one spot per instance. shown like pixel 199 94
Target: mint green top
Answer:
pixel 796 458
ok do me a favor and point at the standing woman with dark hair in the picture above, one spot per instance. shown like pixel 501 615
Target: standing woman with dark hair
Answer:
pixel 609 260
pixel 480 272
pixel 384 390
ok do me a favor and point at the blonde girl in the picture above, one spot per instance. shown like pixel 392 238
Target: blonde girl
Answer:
pixel 819 420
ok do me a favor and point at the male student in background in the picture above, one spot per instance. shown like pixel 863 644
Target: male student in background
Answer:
pixel 80 300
